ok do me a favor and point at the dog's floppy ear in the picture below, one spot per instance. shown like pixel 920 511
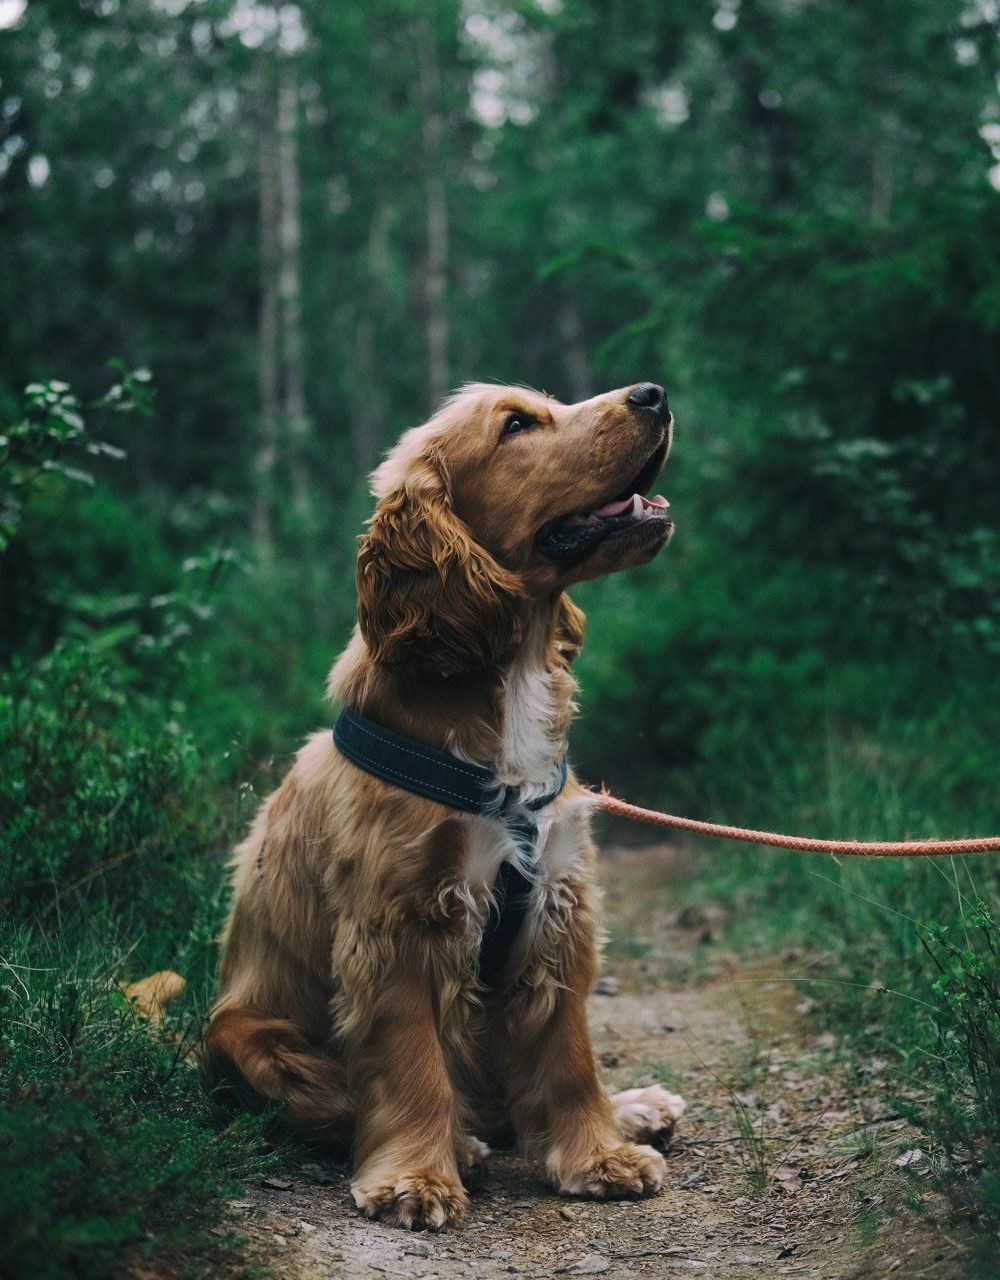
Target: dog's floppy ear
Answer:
pixel 568 631
pixel 428 594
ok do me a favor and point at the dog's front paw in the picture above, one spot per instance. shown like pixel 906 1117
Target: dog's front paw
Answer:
pixel 611 1172
pixel 421 1200
pixel 647 1115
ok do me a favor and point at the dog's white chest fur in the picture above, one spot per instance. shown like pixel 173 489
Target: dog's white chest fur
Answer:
pixel 530 759
pixel 531 748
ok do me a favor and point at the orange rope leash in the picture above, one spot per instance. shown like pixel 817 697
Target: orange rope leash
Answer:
pixel 853 848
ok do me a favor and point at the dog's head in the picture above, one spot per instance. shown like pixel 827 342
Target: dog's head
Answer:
pixel 506 496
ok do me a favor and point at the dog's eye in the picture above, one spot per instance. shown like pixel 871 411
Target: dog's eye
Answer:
pixel 516 423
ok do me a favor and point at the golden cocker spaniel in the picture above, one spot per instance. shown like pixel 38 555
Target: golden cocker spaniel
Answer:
pixel 405 968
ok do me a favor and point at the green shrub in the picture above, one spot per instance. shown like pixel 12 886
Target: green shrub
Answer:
pixel 111 866
pixel 110 1150
pixel 961 1108
pixel 101 797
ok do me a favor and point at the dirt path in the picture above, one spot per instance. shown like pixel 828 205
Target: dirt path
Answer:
pixel 776 1169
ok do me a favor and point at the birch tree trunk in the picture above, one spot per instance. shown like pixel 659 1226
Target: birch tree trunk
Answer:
pixel 295 420
pixel 268 336
pixel 436 210
pixel 369 401
pixel 571 332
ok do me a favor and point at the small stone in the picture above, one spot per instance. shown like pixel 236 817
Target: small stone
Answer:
pixel 277 1184
pixel 749 1099
pixel 566 1213
pixel 280 1239
pixel 420 1249
pixel 591 1264
pixel 608 985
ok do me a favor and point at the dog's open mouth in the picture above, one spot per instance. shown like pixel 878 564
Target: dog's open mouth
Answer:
pixel 572 536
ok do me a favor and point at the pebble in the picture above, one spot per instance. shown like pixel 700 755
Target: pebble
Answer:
pixel 591 1264
pixel 420 1249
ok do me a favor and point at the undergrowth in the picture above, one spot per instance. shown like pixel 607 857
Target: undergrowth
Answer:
pixel 900 955
pixel 110 1151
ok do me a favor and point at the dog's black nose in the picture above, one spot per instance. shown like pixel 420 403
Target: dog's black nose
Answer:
pixel 648 395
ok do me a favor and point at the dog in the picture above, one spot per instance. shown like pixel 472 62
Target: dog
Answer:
pixel 353 987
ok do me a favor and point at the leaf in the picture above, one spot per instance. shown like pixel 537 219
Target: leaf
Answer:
pixel 788 1178
pixel 70 473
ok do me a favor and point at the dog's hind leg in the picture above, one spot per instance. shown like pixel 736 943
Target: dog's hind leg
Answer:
pixel 270 1060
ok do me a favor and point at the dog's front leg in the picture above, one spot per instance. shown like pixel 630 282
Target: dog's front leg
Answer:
pixel 557 1101
pixel 406 1170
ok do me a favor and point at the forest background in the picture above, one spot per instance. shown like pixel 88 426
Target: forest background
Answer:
pixel 243 246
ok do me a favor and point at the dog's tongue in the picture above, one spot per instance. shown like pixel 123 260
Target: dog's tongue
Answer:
pixel 636 501
pixel 614 508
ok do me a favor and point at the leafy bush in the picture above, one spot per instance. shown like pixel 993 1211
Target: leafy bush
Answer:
pixel 51 433
pixel 962 1071
pixel 111 865
pixel 99 796
pixel 110 1150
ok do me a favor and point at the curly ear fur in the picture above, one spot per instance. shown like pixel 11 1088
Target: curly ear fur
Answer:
pixel 568 631
pixel 427 593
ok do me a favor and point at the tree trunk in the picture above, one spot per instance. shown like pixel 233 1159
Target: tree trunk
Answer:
pixel 295 417
pixel 571 332
pixel 369 408
pixel 882 184
pixel 436 211
pixel 269 355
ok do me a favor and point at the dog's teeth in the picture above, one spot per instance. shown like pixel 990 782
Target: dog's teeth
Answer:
pixel 637 504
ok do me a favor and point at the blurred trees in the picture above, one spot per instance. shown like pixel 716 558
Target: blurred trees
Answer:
pixel 310 219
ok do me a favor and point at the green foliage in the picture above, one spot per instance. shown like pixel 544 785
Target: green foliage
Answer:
pixel 50 433
pixel 111 866
pixel 962 1070
pixel 96 797
pixel 110 1151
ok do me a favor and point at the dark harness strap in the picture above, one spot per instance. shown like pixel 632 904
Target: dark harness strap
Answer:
pixel 438 775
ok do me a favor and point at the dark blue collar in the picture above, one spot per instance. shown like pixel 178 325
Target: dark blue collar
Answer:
pixel 426 771
pixel 437 775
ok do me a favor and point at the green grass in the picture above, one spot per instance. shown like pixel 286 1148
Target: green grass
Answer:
pixel 902 956
pixel 111 867
pixel 110 1150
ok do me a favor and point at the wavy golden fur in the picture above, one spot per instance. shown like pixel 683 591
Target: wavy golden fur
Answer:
pixel 349 987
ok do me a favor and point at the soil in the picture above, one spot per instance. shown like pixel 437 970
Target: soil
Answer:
pixel 781 1166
